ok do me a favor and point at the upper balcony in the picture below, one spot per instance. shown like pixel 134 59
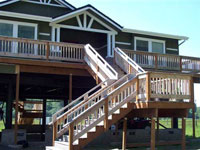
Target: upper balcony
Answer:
pixel 54 51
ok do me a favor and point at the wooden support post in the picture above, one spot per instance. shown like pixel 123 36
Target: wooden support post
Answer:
pixel 124 134
pixel 48 50
pixel 55 129
pixel 44 119
pixel 153 143
pixel 137 89
pixel 16 101
pixel 70 88
pixel 71 136
pixel 148 87
pixel 106 115
pixel 172 122
pixel 193 122
pixel 158 128
pixel 191 90
pixel 183 134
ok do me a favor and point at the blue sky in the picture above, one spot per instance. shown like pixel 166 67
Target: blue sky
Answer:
pixel 178 17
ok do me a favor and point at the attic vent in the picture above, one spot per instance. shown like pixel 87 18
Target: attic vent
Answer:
pixel 45 1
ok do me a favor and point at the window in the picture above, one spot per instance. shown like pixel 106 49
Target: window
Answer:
pixel 26 32
pixel 149 45
pixel 157 47
pixel 6 29
pixel 142 45
pixel 18 29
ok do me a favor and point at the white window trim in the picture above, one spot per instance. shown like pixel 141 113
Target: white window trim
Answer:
pixel 17 23
pixel 149 43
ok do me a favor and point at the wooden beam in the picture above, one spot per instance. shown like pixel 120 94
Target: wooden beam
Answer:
pixel 17 100
pixel 124 134
pixel 54 70
pixel 193 122
pixel 183 145
pixel 70 88
pixel 153 143
pixel 19 61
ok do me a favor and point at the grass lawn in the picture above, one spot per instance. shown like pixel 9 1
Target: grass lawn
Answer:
pixel 167 123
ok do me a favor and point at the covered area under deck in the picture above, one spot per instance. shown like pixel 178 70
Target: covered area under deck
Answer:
pixel 28 85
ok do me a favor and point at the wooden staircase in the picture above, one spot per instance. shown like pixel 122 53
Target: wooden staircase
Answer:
pixel 90 115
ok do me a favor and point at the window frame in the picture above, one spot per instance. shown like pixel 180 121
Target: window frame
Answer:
pixel 17 23
pixel 150 41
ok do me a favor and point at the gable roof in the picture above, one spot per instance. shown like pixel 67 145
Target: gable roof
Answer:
pixel 61 2
pixel 84 8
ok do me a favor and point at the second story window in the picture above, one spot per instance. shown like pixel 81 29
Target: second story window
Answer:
pixel 26 32
pixel 6 29
pixel 18 29
pixel 149 45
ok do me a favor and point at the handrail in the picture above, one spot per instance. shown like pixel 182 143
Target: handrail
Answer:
pixel 129 91
pixel 80 99
pixel 38 49
pixel 98 64
pixel 88 104
pixel 128 60
pixel 164 61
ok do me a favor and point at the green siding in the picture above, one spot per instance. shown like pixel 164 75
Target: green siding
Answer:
pixel 43 27
pixel 129 38
pixel 72 22
pixel 35 9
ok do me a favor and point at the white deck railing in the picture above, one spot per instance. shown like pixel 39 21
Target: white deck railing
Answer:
pixel 98 64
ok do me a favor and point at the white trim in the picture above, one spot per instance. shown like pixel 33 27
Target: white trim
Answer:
pixel 9 2
pixel 79 21
pixel 17 23
pixel 108 45
pixel 113 45
pixel 172 49
pixel 84 20
pixel 83 29
pixel 90 23
pixel 65 4
pixel 123 43
pixel 149 43
pixel 44 34
pixel 53 33
pixel 155 34
pixel 62 18
pixel 25 16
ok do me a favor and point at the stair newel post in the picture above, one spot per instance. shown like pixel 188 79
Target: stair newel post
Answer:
pixel 71 135
pixel 55 123
pixel 106 115
pixel 137 89
pixel 129 69
pixel 148 87
pixel 48 50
